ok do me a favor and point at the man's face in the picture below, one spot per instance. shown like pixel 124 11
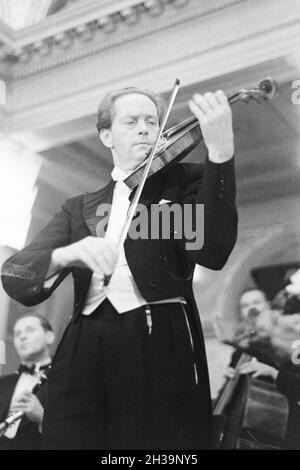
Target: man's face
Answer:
pixel 252 304
pixel 133 132
pixel 30 339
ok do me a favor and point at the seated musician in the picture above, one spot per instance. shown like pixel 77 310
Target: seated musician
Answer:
pixel 33 336
pixel 288 379
pixel 258 319
pixel 288 298
pixel 255 413
pixel 282 333
pixel 288 383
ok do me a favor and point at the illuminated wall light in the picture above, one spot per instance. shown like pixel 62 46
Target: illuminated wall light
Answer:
pixel 19 169
pixel 21 13
pixel 2 92
pixel 200 275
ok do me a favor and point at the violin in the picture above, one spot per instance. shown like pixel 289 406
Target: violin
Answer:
pixel 178 141
pixel 175 143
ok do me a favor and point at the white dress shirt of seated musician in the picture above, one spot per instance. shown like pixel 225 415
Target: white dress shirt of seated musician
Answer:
pixel 33 337
pixel 293 288
pixel 256 316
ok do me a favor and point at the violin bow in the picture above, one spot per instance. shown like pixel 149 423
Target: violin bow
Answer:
pixel 137 195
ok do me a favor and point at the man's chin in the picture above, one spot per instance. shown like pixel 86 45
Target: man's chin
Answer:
pixel 30 357
pixel 137 161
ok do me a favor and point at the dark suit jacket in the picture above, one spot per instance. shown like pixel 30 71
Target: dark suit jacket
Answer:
pixel 288 383
pixel 28 435
pixel 161 268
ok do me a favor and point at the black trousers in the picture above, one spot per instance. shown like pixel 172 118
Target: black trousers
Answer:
pixel 113 385
pixel 28 438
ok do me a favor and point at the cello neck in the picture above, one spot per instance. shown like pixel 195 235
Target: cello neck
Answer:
pixel 229 387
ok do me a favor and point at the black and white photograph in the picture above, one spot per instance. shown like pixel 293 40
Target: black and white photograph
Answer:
pixel 149 228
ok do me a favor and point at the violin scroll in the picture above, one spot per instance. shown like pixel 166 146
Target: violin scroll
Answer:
pixel 269 87
pixel 182 138
pixel 266 90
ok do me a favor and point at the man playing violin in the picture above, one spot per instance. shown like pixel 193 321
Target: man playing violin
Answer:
pixel 130 371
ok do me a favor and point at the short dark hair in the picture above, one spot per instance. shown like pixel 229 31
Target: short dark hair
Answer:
pixel 105 108
pixel 43 321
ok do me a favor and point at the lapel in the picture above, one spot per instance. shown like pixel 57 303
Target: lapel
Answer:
pixel 95 212
pixel 151 194
pixel 96 209
pixel 96 206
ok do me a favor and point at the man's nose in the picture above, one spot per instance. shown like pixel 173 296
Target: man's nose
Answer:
pixel 143 129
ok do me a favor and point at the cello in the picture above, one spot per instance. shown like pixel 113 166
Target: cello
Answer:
pixel 249 413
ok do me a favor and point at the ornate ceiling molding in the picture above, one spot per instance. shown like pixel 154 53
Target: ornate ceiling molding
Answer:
pixel 19 14
pixel 78 32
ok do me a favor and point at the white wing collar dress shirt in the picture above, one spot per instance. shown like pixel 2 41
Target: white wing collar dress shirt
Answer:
pixel 122 290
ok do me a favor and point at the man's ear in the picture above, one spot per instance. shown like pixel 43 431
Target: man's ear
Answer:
pixel 50 337
pixel 106 138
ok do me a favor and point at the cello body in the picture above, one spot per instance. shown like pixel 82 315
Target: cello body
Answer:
pixel 265 416
pixel 249 413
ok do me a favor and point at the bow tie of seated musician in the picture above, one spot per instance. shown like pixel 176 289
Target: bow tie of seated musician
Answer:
pixel 23 368
pixel 35 369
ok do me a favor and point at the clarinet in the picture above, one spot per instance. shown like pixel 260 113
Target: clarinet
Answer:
pixel 19 414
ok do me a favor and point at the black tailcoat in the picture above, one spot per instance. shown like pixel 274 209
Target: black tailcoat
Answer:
pixel 288 383
pixel 161 268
